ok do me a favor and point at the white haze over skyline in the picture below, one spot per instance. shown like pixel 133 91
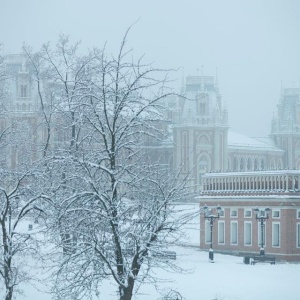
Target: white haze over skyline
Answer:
pixel 254 44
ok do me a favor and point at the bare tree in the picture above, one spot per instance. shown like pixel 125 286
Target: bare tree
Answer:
pixel 64 72
pixel 19 192
pixel 120 204
pixel 46 108
pixel 60 75
pixel 17 243
pixel 19 197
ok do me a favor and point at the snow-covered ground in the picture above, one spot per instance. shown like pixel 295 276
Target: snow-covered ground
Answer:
pixel 226 279
pixel 229 279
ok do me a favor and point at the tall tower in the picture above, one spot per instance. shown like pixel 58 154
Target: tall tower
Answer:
pixel 21 86
pixel 200 135
pixel 286 127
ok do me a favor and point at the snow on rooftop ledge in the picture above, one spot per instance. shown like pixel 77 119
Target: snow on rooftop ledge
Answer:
pixel 238 140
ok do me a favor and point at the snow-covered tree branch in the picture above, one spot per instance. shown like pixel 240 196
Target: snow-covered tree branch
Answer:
pixel 114 214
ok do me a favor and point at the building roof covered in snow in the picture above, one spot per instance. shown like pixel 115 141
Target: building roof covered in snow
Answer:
pixel 240 141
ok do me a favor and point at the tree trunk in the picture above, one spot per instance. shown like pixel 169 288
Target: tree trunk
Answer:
pixel 126 293
pixel 9 293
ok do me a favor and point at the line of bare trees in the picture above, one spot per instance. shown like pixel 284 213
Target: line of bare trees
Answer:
pixel 105 208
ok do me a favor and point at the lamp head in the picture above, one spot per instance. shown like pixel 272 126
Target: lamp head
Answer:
pixel 267 210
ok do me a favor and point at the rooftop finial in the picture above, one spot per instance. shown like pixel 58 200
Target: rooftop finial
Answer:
pixel 202 79
pixel 182 80
pixel 23 68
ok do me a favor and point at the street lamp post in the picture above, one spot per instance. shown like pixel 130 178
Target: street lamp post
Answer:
pixel 262 215
pixel 208 215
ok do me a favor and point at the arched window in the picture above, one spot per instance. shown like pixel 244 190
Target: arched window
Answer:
pixel 272 166
pixel 204 164
pixel 279 164
pixel 23 91
pixel 235 164
pixel 248 164
pixel 263 164
pixel 251 163
pixel 297 153
pixel 185 151
pixel 256 167
pixel 229 165
pixel 202 168
pixel 204 140
pixel 202 106
pixel 242 164
pixel 298 164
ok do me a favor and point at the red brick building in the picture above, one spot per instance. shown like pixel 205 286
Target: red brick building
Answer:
pixel 237 231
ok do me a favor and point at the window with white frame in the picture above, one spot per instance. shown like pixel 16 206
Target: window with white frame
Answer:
pixel 221 232
pixel 275 213
pixel 222 213
pixel 248 213
pixel 298 235
pixel 298 214
pixel 233 232
pixel 259 234
pixel 248 233
pixel 23 91
pixel 207 232
pixel 275 234
pixel 202 108
pixel 233 212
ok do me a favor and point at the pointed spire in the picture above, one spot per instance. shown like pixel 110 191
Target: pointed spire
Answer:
pixel 202 79
pixel 182 81
pixel 23 66
pixel 217 81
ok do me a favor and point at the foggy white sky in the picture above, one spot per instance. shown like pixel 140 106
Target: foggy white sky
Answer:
pixel 255 44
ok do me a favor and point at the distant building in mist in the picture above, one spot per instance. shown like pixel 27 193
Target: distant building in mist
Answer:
pixel 203 141
pixel 200 139
pixel 23 109
pixel 240 173
pixel 227 168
